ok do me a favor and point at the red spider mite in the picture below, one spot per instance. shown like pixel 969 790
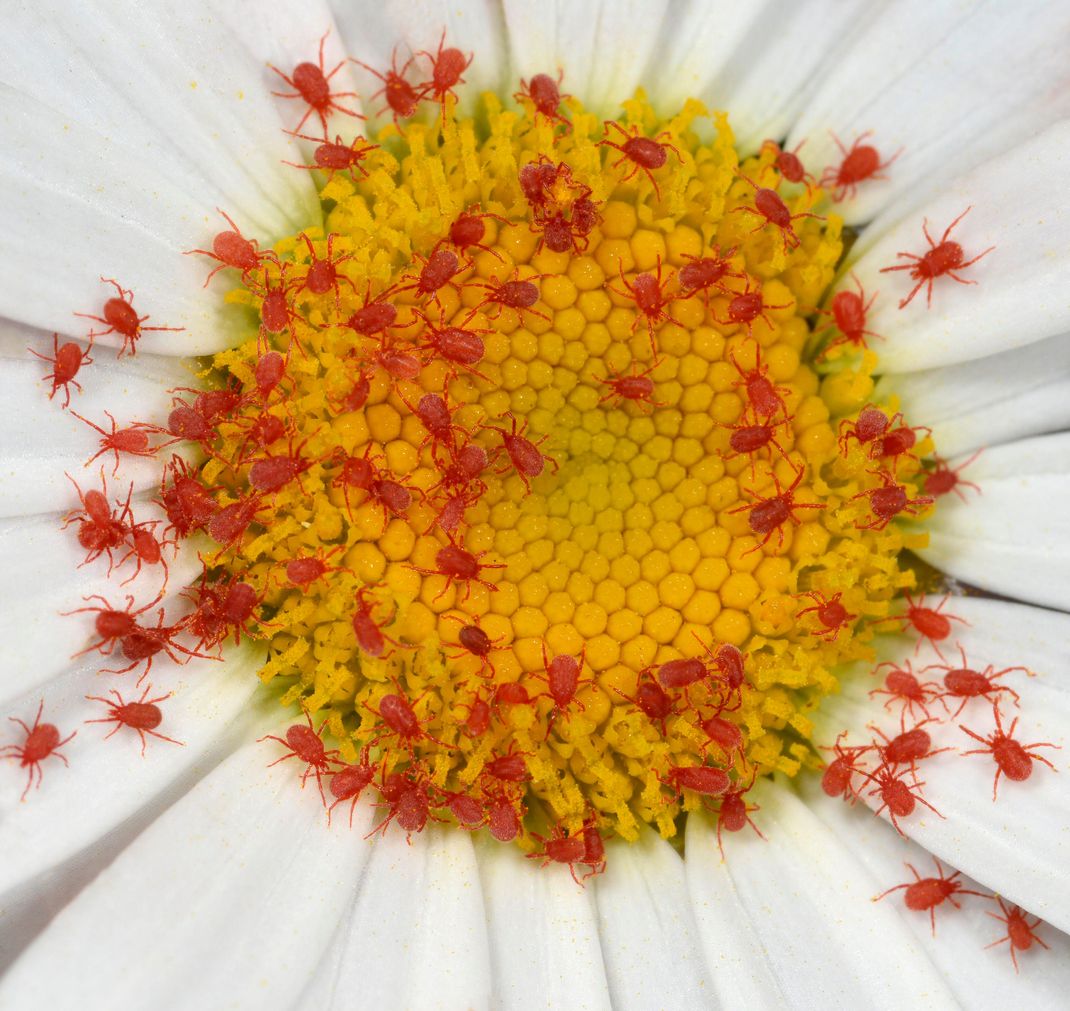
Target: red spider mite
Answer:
pixel 408 799
pixel 562 677
pixel 848 311
pixel 637 387
pixel 519 295
pixel 452 513
pixel 747 306
pixel 464 469
pixel 232 249
pixel 701 274
pixel 348 783
pixel 525 456
pixel 474 641
pixel 457 345
pixel 860 163
pixel 930 623
pixel 685 671
pixel 455 563
pixel 436 416
pixel 357 396
pixel 725 734
pixel 132 440
pixel 370 635
pixel 375 316
pixel 276 312
pixel 399 365
pixel 503 819
pixel 644 153
pixel 897 442
pixel 838 778
pixel 336 156
pixel 399 716
pixel 705 780
pixel 311 84
pixel 648 293
pixel 467 230
pixel 221 608
pixel 768 515
pixel 229 524
pixel 594 849
pixel 734 813
pixel 832 615
pixel 749 440
pixel 42 741
pixel 143 644
pixel 66 361
pixel 897 795
pixel 561 849
pixel 111 624
pixel 763 396
pixel 901 685
pixel 447 66
pixel 188 504
pixel 560 233
pixel 402 97
pixel 508 768
pixel 927 893
pixel 306 745
pixel 306 570
pixel 477 722
pixel 466 809
pixel 1013 759
pixel 871 424
pixel 888 501
pixel 906 748
pixel 542 182
pixel 323 275
pixel 769 206
pixel 545 95
pixel 365 474
pixel 121 318
pixel 145 548
pixel 144 715
pixel 100 529
pixel 436 271
pixel 264 430
pixel 1020 932
pixel 943 479
pixel 789 165
pixel 650 699
pixel 943 257
pixel 272 473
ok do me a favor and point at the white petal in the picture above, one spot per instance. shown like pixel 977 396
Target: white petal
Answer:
pixel 75 821
pixel 788 920
pixel 650 942
pixel 986 401
pixel 950 85
pixel 602 47
pixel 978 978
pixel 543 933
pixel 41 578
pixel 230 896
pixel 416 935
pixel 1017 298
pixel 749 59
pixel 1019 844
pixel 43 442
pixel 1013 538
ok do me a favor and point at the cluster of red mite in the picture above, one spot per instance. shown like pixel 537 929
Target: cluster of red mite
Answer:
pixel 563 213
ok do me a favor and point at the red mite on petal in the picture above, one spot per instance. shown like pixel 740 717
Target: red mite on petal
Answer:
pixel 41 741
pixel 925 894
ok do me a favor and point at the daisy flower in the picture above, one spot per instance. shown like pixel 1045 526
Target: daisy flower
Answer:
pixel 520 505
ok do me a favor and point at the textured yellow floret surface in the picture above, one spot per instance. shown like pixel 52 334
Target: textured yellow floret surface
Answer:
pixel 634 549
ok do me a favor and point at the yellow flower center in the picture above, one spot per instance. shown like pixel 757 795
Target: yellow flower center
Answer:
pixel 664 480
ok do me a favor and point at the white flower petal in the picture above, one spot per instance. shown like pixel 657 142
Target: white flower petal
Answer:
pixel 788 920
pixel 978 978
pixel 1019 844
pixel 986 401
pixel 43 443
pixel 650 943
pixel 602 47
pixel 416 935
pixel 1017 298
pixel 236 890
pixel 949 84
pixel 74 822
pixel 1013 538
pixel 543 934
pixel 41 578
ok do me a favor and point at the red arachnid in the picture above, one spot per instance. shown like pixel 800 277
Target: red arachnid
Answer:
pixel 838 777
pixel 931 624
pixel 447 67
pixel 747 306
pixel 925 894
pixel 222 608
pixel 861 163
pixel 408 798
pixel 1013 759
pixel 545 95
pixel 370 635
pixel 770 207
pixel 66 362
pixel 645 153
pixel 562 849
pixel 100 529
pixel 132 440
pixel 734 813
pixel 473 641
pixel 144 715
pixel 704 780
pixel 650 699
pixel 789 164
pixel 111 624
pixel 232 249
pixel 189 505
pixel 649 293
pixel 897 795
pixel 887 501
pixel 461 346
pixel 142 644
pixel 42 741
pixel 848 310
pixel 323 274
pixel 942 258
pixel 365 474
pixel 964 683
pixel 403 98
pixel 1021 934
pixel 306 745
pixel 902 685
pixel 768 515
pixel 458 564
pixel 515 293
pixel 399 717
pixel 831 614
pixel 120 317
pixel 562 677
pixel 764 398
pixel 435 272
pixel 907 748
pixel 276 309
pixel 337 156
pixel 870 424
pixel 468 231
pixel 943 478
pixel 348 783
pixel 312 84
pixel 305 570
pixel 706 273
pixel 524 454
pixel 637 387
